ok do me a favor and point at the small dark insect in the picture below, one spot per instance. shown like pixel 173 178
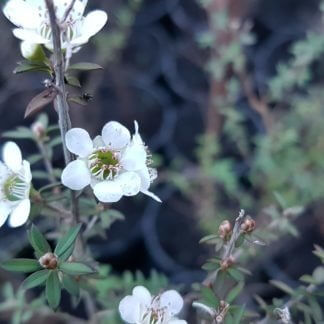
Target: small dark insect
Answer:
pixel 87 96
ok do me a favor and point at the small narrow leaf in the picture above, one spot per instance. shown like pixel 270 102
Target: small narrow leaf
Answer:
pixel 282 286
pixel 70 285
pixel 26 66
pixel 72 81
pixel 53 289
pixel 67 253
pixel 35 279
pixel 234 292
pixel 67 240
pixel 238 315
pixel 236 274
pixel 75 268
pixel 40 101
pixel 38 241
pixel 85 66
pixel 21 265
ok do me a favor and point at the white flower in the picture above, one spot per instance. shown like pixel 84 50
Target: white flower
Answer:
pixel 15 183
pixel 31 16
pixel 114 164
pixel 142 308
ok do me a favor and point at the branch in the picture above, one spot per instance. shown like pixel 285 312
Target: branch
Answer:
pixel 60 101
pixel 68 11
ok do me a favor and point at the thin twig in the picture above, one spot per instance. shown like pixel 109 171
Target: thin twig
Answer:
pixel 47 162
pixel 68 11
pixel 60 102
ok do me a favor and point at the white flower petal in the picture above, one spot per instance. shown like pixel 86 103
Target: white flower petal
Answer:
pixel 129 309
pixel 93 23
pixel 108 191
pixel 142 295
pixel 152 195
pixel 172 300
pixel 4 212
pixel 76 12
pixel 130 183
pixel 29 35
pixel 98 142
pixel 12 156
pixel 177 321
pixel 78 141
pixel 76 175
pixel 145 178
pixel 21 14
pixel 134 157
pixel 20 214
pixel 115 135
pixel 28 49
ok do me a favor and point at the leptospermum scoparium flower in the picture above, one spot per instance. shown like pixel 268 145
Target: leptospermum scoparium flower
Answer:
pixel 114 164
pixel 31 16
pixel 15 184
pixel 142 308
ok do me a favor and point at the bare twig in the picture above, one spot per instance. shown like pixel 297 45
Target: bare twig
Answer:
pixel 68 11
pixel 60 102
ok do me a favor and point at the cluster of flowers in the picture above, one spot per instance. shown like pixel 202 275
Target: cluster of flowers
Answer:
pixel 114 164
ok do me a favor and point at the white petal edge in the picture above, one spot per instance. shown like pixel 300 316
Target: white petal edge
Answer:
pixel 115 135
pixel 76 175
pixel 177 321
pixel 172 300
pixel 29 36
pixel 129 309
pixel 78 141
pixel 26 171
pixel 20 214
pixel 94 22
pixel 134 157
pixel 21 14
pixel 142 295
pixel 108 191
pixel 12 156
pixel 130 183
pixel 4 212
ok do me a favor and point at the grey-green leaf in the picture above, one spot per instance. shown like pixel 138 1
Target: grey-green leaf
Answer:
pixel 67 240
pixel 76 268
pixel 70 285
pixel 21 265
pixel 53 289
pixel 85 66
pixel 35 279
pixel 234 292
pixel 38 241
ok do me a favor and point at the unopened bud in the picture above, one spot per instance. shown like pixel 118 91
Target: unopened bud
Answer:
pixel 248 225
pixel 48 261
pixel 38 129
pixel 225 229
pixel 225 264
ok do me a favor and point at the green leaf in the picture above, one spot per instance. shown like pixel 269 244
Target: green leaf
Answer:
pixel 38 241
pixel 70 285
pixel 208 238
pixel 53 289
pixel 85 66
pixel 308 279
pixel 240 240
pixel 238 315
pixel 282 286
pixel 236 274
pixel 67 253
pixel 19 133
pixel 235 292
pixel 26 66
pixel 75 268
pixel 35 279
pixel 210 299
pixel 72 81
pixel 316 309
pixel 21 265
pixel 67 240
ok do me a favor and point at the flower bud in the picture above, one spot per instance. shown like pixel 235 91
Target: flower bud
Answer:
pixel 248 225
pixel 225 229
pixel 38 129
pixel 225 264
pixel 48 261
pixel 32 52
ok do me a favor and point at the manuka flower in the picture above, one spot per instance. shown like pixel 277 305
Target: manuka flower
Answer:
pixel 114 164
pixel 142 308
pixel 15 183
pixel 32 19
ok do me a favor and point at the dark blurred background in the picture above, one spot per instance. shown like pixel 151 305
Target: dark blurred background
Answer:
pixel 155 72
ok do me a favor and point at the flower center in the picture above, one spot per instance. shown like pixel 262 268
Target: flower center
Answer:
pixel 14 188
pixel 104 164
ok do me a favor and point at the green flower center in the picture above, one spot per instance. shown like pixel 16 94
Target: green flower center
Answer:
pixel 14 188
pixel 104 164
